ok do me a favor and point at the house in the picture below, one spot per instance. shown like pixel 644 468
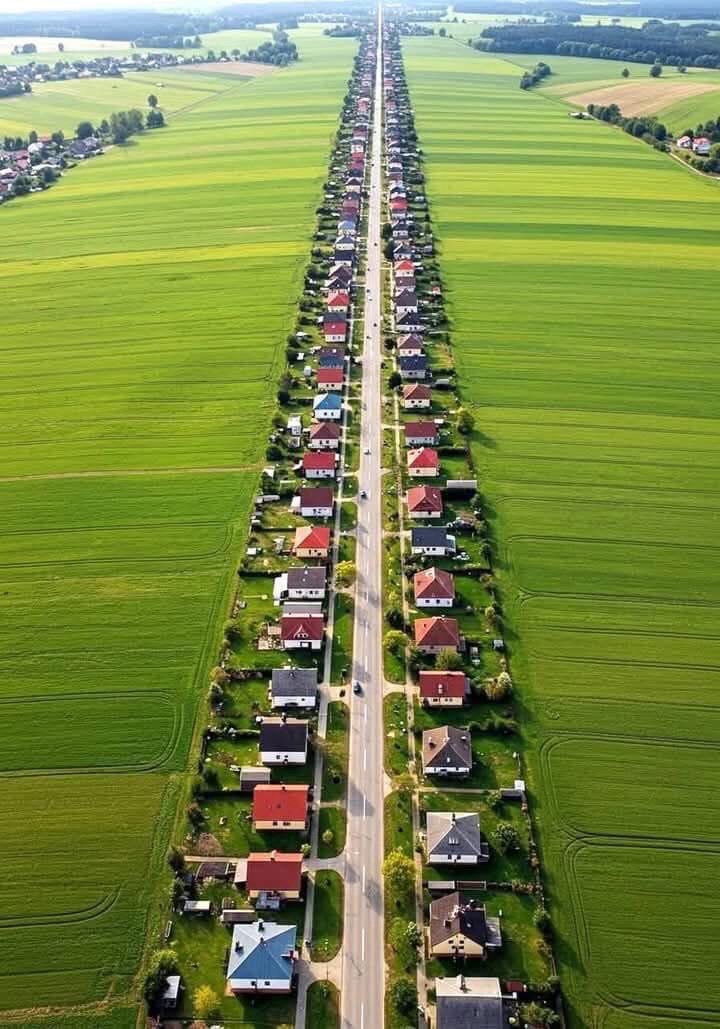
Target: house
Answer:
pixel 345 243
pixel 406 302
pixel 434 587
pixel 435 634
pixel 410 345
pixel 262 958
pixel 443 689
pixel 404 269
pixel 685 142
pixel 197 907
pixel 171 994
pixel 460 927
pixel 319 464
pixel 346 257
pixel 468 1003
pixel 295 426
pixel 330 378
pixel 324 435
pixel 275 874
pixel 407 322
pixel 294 687
pixel 416 395
pixel 283 741
pixel 314 502
pixel 342 274
pixel 327 407
pixel 302 632
pixel 306 582
pixel 454 838
pixel 335 328
pixel 280 807
pixel 413 367
pixel 421 434
pixel 424 502
pixel 446 750
pixel 338 301
pixel 251 776
pixel 311 541
pixel 423 463
pixel 331 357
pixel 702 145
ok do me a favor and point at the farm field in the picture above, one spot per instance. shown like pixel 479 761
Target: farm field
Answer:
pixel 579 269
pixel 146 303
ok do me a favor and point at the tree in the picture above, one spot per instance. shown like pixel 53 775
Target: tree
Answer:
pixel 155 120
pixel 32 136
pixel 403 995
pixel 176 860
pixel 84 130
pixel 541 918
pixel 283 397
pixel 395 380
pixel 537 1015
pixel 162 964
pixel 394 617
pixel 498 688
pixel 206 1003
pixel 656 71
pixel 195 814
pixel 395 641
pixel 61 47
pixel 625 73
pixel 58 138
pixel 399 872
pixel 506 837
pixel 219 676
pixel 448 660
pixel 465 422
pixel 327 837
pixel 152 101
pixel 345 572
pixel 442 32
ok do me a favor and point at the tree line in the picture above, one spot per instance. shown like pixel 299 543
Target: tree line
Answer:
pixel 531 78
pixel 646 128
pixel 668 9
pixel 655 43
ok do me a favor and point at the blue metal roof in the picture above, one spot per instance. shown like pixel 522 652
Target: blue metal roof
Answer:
pixel 262 950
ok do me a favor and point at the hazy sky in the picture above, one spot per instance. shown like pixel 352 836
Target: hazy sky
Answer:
pixel 29 6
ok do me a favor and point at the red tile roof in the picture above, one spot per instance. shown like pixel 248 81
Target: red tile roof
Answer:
pixel 434 584
pixel 420 430
pixel 325 430
pixel 274 872
pixel 425 457
pixel 338 298
pixel 280 803
pixel 317 460
pixel 416 391
pixel 330 377
pixel 443 684
pixel 436 632
pixel 312 537
pixel 424 498
pixel 302 627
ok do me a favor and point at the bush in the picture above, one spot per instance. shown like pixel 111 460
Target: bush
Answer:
pixel 507 838
pixel 162 964
pixel 403 995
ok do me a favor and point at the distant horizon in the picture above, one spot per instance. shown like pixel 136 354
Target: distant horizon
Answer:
pixel 166 6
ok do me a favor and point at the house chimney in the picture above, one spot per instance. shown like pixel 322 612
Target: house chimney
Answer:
pixel 261 926
pixel 452 817
pixel 273 855
pixel 462 983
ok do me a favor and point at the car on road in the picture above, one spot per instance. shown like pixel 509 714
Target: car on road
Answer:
pixel 363 494
pixel 357 688
pixel 366 450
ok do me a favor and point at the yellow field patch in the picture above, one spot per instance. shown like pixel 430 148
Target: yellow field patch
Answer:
pixel 643 97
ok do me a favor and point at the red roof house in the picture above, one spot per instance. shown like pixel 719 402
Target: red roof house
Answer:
pixel 416 395
pixel 423 463
pixel 302 632
pixel 280 807
pixel 330 378
pixel 419 434
pixel 319 464
pixel 424 502
pixel 324 435
pixel 443 689
pixel 275 873
pixel 434 587
pixel 312 541
pixel 435 634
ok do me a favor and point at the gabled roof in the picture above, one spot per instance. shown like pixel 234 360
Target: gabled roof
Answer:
pixel 330 376
pixel 331 318
pixel 413 363
pixel 437 632
pixel 405 265
pixel 312 537
pixel 315 496
pixel 327 402
pixel 280 803
pixel 325 430
pixel 295 682
pixel 420 430
pixel 429 536
pixel 424 498
pixel 446 747
pixel 417 391
pixel 458 913
pixel 262 950
pixel 318 460
pixel 310 577
pixel 338 297
pixel 425 457
pixel 274 872
pixel 471 1002
pixel 406 298
pixel 434 583
pixel 443 684
pixel 454 832
pixel 288 733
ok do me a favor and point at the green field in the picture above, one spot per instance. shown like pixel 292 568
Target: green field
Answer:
pixel 580 272
pixel 146 302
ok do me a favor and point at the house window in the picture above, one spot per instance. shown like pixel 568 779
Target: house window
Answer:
pixel 274 823
pixel 267 982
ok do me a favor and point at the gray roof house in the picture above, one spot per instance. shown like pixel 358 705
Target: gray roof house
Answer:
pixel 307 581
pixel 262 958
pixel 453 838
pixel 294 687
pixel 283 741
pixel 474 1002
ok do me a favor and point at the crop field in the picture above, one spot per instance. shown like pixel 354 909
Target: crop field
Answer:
pixel 579 268
pixel 146 303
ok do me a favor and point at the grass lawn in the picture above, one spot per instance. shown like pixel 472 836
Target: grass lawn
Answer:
pixel 336 751
pixel 342 638
pixel 334 820
pixel 398 822
pixel 596 453
pixel 396 735
pixel 237 836
pixel 323 1006
pixel 328 914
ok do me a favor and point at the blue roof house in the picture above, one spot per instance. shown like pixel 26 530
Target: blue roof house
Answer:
pixel 262 958
pixel 327 407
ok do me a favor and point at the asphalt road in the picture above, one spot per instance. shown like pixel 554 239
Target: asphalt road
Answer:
pixel 363 985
